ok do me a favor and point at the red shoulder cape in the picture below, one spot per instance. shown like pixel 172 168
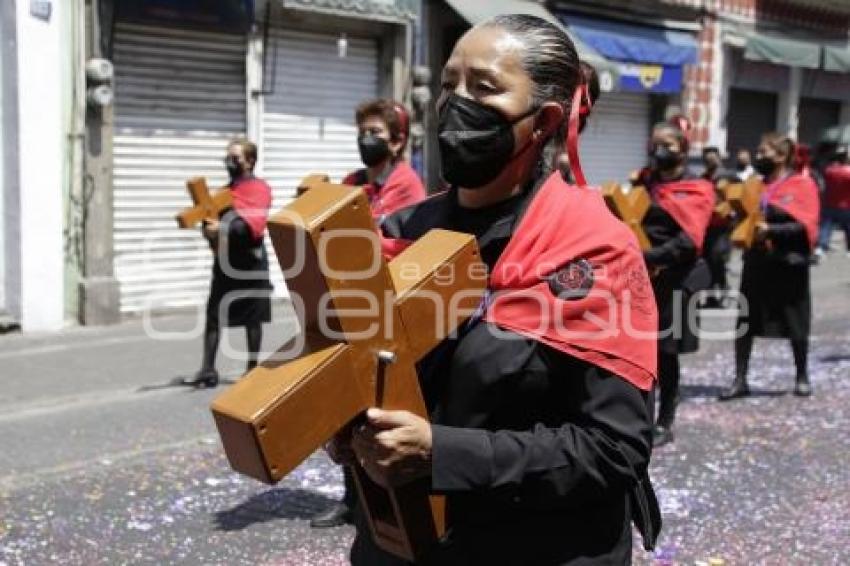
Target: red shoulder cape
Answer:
pixel 252 199
pixel 574 278
pixel 798 196
pixel 691 204
pixel 403 188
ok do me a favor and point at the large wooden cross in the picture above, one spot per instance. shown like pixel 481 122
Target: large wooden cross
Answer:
pixel 206 206
pixel 630 206
pixel 365 323
pixel 745 200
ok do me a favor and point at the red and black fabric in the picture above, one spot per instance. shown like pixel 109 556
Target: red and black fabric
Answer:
pixel 691 204
pixel 837 180
pixel 776 277
pixel 798 196
pixel 240 290
pixel 252 199
pixel 573 277
pixel 512 396
pixel 776 281
pixel 401 188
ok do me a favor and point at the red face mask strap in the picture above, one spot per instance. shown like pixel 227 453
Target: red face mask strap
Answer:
pixel 579 101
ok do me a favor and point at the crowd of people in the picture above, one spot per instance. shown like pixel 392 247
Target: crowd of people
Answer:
pixel 534 434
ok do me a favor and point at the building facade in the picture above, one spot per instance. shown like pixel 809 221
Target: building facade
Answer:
pixel 36 91
pixel 133 97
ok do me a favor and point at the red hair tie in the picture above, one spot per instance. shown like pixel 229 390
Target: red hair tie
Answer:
pixel 580 107
pixel 403 118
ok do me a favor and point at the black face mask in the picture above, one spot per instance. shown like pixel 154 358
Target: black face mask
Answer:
pixel 233 167
pixel 373 150
pixel 476 142
pixel 662 159
pixel 765 166
pixel 741 166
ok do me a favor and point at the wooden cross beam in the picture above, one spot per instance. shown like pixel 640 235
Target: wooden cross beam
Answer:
pixel 365 323
pixel 629 206
pixel 723 209
pixel 206 206
pixel 745 200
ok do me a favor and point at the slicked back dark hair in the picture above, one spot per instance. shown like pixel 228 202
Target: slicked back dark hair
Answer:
pixel 551 62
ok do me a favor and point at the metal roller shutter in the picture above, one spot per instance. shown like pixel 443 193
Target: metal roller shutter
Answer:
pixel 815 115
pixel 614 142
pixel 308 118
pixel 180 97
pixel 751 114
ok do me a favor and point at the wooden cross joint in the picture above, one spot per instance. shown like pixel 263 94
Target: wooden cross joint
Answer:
pixel 365 323
pixel 630 206
pixel 206 206
pixel 745 200
pixel 722 208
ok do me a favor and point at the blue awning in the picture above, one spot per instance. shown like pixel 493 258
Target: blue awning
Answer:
pixel 636 44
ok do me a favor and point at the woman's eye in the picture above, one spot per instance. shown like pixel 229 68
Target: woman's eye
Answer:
pixel 486 87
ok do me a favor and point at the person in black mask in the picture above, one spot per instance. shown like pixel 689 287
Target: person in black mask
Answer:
pixel 240 291
pixel 676 224
pixel 775 281
pixel 389 181
pixel 539 437
pixel 391 184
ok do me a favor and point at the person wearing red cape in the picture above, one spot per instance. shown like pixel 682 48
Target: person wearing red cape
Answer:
pixel 540 432
pixel 676 225
pixel 240 291
pixel 775 280
pixel 389 181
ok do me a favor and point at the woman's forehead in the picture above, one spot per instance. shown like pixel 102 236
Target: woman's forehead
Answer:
pixel 488 49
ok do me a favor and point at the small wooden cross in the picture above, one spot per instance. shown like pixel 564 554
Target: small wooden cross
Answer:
pixel 365 323
pixel 745 200
pixel 629 206
pixel 207 206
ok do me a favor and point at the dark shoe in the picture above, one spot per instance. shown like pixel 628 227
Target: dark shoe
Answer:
pixel 339 514
pixel 802 388
pixel 737 390
pixel 662 435
pixel 204 378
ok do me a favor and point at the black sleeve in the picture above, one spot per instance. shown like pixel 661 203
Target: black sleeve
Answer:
pixel 675 251
pixel 778 231
pixel 605 442
pixel 237 231
pixel 783 230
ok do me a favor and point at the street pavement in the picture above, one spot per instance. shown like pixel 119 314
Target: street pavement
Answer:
pixel 103 460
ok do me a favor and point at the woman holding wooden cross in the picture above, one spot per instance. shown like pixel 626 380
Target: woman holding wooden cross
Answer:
pixel 240 291
pixel 775 281
pixel 676 224
pixel 540 425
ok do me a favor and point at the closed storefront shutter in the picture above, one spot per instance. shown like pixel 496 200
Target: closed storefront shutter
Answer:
pixel 614 142
pixel 815 115
pixel 308 117
pixel 180 97
pixel 751 114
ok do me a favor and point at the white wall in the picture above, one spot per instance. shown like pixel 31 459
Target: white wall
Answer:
pixel 2 176
pixel 39 301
